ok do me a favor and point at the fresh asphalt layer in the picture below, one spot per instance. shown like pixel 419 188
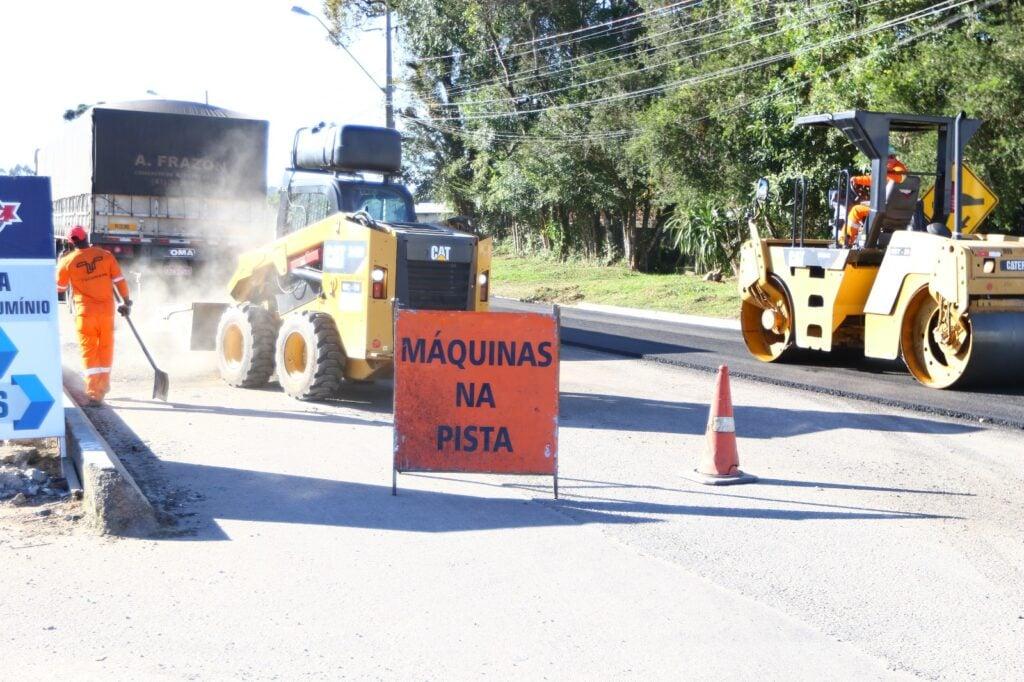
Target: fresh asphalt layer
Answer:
pixel 845 374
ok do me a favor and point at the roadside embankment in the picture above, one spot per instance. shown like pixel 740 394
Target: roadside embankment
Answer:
pixel 543 280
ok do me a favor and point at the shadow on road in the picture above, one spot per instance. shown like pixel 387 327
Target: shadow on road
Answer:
pixel 604 411
pixel 135 405
pixel 593 505
pixel 804 511
pixel 191 498
pixel 853 486
pixel 194 498
pixel 244 495
pixel 570 484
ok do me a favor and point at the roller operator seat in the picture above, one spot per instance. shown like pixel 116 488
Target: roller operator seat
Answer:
pixel 899 208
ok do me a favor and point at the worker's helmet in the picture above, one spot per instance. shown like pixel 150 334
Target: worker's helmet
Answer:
pixel 78 234
pixel 895 169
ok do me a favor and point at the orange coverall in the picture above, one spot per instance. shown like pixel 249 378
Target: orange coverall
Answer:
pixel 93 273
pixel 896 171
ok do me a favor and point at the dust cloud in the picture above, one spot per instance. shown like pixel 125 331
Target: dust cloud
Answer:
pixel 226 213
pixel 228 220
pixel 162 315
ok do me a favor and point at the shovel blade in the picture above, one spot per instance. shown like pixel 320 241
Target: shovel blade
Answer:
pixel 161 385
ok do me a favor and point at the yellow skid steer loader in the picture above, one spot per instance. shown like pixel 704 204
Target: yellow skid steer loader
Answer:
pixel 316 305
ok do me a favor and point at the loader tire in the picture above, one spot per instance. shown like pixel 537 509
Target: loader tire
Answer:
pixel 309 356
pixel 245 345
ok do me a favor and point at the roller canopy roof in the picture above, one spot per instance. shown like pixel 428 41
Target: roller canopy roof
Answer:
pixel 869 130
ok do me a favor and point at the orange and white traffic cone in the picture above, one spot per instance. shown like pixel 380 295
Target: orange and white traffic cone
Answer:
pixel 720 464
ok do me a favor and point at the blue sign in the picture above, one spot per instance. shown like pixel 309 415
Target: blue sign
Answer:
pixel 26 218
pixel 24 402
pixel 30 367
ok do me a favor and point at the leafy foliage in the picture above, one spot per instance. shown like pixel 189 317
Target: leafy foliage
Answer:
pixel 637 140
pixel 711 236
pixel 18 169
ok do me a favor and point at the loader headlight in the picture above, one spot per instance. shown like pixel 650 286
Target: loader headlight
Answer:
pixel 379 283
pixel 989 266
pixel 484 289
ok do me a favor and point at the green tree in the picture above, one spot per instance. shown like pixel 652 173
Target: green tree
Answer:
pixel 627 139
pixel 18 169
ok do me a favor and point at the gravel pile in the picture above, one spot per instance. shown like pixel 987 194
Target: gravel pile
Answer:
pixel 30 474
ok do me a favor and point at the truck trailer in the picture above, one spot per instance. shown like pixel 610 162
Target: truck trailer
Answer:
pixel 160 183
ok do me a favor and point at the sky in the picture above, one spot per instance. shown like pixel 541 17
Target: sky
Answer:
pixel 252 56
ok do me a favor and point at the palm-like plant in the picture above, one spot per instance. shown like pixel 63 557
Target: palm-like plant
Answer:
pixel 708 235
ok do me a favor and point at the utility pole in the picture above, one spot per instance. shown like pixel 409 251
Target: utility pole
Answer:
pixel 389 86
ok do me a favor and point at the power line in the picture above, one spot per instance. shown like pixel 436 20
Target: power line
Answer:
pixel 588 61
pixel 618 134
pixel 650 67
pixel 593 27
pixel 701 78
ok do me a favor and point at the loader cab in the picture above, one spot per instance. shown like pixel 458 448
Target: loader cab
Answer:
pixel 326 177
pixel 307 197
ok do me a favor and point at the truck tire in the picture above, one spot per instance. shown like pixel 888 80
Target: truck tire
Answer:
pixel 309 356
pixel 245 345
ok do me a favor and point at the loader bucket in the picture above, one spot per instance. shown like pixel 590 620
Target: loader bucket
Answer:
pixel 205 317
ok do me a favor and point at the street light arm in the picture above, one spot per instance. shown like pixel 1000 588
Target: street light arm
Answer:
pixel 337 43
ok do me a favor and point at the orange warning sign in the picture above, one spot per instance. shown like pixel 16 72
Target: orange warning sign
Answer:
pixel 476 392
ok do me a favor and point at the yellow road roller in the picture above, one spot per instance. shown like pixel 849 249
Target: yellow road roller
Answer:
pixel 950 304
pixel 315 307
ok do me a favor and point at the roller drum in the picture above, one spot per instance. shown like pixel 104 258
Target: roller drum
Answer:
pixel 991 353
pixel 997 349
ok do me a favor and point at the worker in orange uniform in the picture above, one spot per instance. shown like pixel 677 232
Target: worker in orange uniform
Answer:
pixel 92 273
pixel 896 171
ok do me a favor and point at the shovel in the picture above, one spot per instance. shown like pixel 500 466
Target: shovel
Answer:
pixel 161 382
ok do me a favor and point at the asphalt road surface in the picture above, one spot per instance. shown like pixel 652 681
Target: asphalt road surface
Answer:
pixel 879 543
pixel 705 348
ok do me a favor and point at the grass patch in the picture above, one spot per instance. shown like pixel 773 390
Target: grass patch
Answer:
pixel 534 278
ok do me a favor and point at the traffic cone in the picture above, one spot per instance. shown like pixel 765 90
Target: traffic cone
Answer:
pixel 720 464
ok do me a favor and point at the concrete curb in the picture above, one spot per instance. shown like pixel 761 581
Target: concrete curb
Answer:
pixel 112 500
pixel 643 314
pixel 662 316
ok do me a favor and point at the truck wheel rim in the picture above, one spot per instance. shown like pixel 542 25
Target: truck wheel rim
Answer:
pixel 295 356
pixel 233 345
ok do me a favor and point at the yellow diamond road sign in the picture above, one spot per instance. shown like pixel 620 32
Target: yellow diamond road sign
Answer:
pixel 979 201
